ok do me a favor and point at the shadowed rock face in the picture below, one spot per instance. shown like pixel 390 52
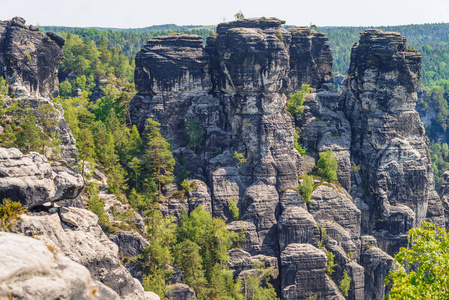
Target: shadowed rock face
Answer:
pixel 29 59
pixel 172 63
pixel 310 58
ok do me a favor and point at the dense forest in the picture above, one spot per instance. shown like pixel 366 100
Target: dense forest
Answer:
pixel 129 40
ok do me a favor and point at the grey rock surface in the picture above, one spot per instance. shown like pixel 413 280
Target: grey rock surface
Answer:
pixel 388 139
pixel 303 269
pixel 180 291
pixel 31 180
pixel 236 88
pixel 29 59
pixel 32 270
pixel 76 234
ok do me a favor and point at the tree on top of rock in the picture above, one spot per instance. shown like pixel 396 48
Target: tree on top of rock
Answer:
pixel 239 15
pixel 159 159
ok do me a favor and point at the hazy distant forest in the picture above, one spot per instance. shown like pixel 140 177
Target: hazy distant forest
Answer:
pixel 104 54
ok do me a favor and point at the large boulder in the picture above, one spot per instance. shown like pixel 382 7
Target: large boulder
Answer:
pixel 31 180
pixel 33 270
pixel 76 234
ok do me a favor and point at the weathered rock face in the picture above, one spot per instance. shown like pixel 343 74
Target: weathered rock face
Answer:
pixel 76 234
pixel 303 270
pixel 31 271
pixel 310 58
pixel 31 180
pixel 388 140
pixel 236 89
pixel 29 59
pixel 29 62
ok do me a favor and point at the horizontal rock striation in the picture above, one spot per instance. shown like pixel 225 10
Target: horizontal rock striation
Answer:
pixel 75 233
pixel 235 89
pixel 388 140
pixel 32 270
pixel 32 181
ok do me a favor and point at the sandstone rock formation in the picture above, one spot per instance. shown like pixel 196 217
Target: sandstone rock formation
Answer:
pixel 236 87
pixel 29 59
pixel 33 270
pixel 303 269
pixel 29 62
pixel 75 233
pixel 388 140
pixel 31 180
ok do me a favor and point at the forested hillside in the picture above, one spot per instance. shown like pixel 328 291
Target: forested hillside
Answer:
pixel 432 40
pixel 129 40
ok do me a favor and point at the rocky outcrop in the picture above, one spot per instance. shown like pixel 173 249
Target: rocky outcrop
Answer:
pixel 180 291
pixel 310 59
pixel 29 62
pixel 29 59
pixel 236 89
pixel 388 140
pixel 303 270
pixel 75 233
pixel 377 266
pixel 33 270
pixel 32 181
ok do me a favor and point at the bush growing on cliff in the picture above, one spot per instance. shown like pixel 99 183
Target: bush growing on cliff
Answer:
pixel 239 15
pixel 345 283
pixel 295 100
pixel 10 214
pixel 233 208
pixel 327 165
pixel 330 263
pixel 424 265
pixel 306 188
pixel 239 158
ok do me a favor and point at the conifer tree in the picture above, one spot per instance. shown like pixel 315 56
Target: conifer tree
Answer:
pixel 159 159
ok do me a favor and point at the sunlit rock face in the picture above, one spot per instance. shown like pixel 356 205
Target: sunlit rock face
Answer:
pixel 388 140
pixel 236 87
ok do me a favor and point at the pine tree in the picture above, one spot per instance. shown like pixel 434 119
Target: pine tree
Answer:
pixel 159 159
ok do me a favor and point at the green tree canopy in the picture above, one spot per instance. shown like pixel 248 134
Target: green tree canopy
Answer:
pixel 423 270
pixel 327 165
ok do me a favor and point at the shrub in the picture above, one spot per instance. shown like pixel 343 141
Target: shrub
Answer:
pixel 239 157
pixel 330 263
pixel 295 100
pixel 186 186
pixel 10 213
pixel 345 283
pixel 232 205
pixel 306 188
pixel 327 165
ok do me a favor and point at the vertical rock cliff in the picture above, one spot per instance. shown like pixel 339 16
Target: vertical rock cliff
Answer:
pixel 236 88
pixel 29 62
pixel 388 140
